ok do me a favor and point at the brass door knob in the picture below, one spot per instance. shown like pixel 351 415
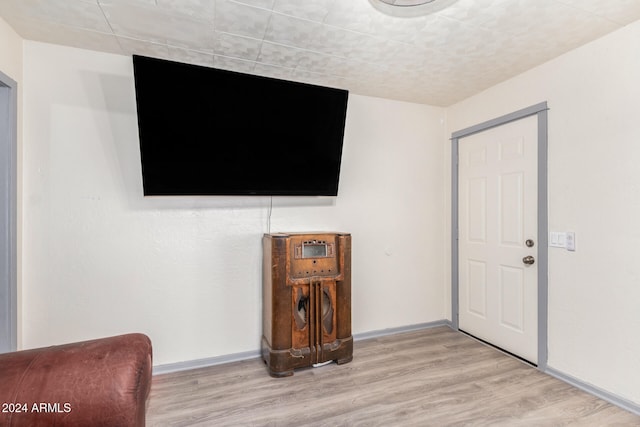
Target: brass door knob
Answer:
pixel 528 260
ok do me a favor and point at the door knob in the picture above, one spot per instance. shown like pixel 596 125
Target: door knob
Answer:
pixel 528 260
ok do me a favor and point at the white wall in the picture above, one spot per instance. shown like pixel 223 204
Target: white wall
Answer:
pixel 99 259
pixel 594 190
pixel 10 52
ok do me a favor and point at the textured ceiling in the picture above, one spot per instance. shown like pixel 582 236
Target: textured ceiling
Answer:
pixel 438 59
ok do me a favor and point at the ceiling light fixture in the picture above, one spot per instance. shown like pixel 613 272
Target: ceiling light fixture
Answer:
pixel 410 8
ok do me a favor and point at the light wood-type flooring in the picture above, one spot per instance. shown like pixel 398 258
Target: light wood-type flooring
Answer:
pixel 431 377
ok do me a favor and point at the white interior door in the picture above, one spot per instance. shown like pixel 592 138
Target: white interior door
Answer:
pixel 497 226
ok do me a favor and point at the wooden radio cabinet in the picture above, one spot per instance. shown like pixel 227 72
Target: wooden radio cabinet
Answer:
pixel 306 288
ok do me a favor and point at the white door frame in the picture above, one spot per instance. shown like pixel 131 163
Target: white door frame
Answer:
pixel 8 207
pixel 540 110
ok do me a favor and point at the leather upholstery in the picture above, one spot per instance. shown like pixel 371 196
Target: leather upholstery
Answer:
pixel 103 382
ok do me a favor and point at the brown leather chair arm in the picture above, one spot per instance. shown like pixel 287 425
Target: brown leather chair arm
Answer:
pixel 103 382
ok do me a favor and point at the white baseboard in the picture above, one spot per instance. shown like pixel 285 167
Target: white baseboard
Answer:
pixel 401 329
pixel 204 363
pixel 598 392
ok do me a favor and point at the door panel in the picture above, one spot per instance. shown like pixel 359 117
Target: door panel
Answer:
pixel 512 298
pixel 511 207
pixel 477 197
pixel 497 213
pixel 477 295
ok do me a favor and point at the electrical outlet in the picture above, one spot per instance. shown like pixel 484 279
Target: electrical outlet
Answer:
pixel 570 242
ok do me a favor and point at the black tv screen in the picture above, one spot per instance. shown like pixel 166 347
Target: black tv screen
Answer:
pixel 205 131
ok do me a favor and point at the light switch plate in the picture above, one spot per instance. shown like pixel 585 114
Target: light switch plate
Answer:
pixel 557 239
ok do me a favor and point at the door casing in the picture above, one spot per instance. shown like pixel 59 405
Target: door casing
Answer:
pixel 539 110
pixel 8 214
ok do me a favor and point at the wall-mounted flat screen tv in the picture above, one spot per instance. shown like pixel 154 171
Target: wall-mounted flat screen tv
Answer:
pixel 205 131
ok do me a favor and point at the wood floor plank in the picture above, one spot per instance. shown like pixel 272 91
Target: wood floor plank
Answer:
pixel 432 377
